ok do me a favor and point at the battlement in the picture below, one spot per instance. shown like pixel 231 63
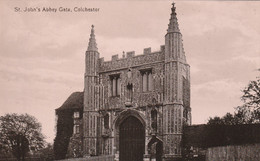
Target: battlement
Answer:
pixel 147 51
pixel 131 54
pixel 129 59
pixel 114 57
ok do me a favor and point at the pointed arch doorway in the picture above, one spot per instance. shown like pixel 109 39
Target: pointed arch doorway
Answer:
pixel 155 148
pixel 131 139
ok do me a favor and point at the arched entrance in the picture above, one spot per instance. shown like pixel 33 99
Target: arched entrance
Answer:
pixel 155 148
pixel 131 140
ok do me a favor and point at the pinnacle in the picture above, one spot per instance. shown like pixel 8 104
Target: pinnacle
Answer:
pixel 173 25
pixel 92 45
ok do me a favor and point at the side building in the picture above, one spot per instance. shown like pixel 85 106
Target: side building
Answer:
pixel 135 107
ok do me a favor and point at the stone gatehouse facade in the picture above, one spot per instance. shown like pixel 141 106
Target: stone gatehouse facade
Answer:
pixel 135 107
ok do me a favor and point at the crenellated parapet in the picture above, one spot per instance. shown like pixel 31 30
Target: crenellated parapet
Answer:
pixel 114 57
pixel 131 60
pixel 147 51
pixel 130 54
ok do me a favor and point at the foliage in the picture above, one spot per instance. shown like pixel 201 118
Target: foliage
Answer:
pixel 20 134
pixel 251 96
pixel 248 113
pixel 251 99
pixel 46 153
pixel 4 153
pixel 64 132
pixel 239 117
pixel 221 121
pixel 75 148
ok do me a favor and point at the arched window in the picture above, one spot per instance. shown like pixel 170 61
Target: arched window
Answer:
pixel 129 95
pixel 115 85
pixel 147 80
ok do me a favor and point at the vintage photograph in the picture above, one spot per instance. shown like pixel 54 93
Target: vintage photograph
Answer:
pixel 122 80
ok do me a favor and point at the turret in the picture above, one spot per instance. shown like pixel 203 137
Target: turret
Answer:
pixel 90 115
pixel 91 69
pixel 176 88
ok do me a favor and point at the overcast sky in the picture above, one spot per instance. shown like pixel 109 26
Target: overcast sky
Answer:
pixel 42 54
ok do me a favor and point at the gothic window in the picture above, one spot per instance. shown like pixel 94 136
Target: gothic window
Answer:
pixel 147 80
pixel 129 95
pixel 154 119
pixel 76 114
pixel 115 85
pixel 106 121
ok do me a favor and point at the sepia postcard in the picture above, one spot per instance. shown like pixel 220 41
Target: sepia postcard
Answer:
pixel 154 66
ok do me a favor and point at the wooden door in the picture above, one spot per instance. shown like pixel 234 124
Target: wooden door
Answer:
pixel 131 140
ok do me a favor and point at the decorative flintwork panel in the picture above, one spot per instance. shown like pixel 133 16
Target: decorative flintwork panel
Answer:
pixel 118 64
pixel 150 58
pixel 133 77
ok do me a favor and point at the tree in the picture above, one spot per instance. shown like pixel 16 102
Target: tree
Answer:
pixel 251 96
pixel 19 134
pixel 46 153
pixel 248 113
pixel 251 99
pixel 239 117
pixel 215 121
pixel 228 119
